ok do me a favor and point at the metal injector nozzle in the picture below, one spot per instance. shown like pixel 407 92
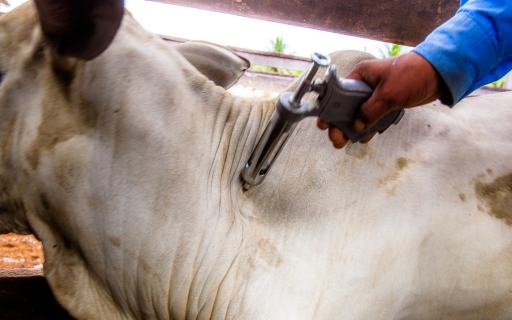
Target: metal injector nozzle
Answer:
pixel 290 109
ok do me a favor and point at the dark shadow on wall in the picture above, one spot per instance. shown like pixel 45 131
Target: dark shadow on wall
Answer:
pixel 25 294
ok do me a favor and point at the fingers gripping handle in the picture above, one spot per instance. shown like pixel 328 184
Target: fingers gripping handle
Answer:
pixel 354 136
pixel 341 101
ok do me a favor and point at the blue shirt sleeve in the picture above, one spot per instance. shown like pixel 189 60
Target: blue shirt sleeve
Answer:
pixel 473 48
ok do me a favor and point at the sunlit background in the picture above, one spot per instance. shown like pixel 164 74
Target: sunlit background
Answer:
pixel 230 30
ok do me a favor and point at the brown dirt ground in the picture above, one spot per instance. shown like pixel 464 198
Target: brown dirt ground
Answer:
pixel 20 251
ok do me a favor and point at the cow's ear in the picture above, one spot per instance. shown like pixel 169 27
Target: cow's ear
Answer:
pixel 217 63
pixel 80 28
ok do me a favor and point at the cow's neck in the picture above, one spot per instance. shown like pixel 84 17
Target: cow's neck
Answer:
pixel 238 123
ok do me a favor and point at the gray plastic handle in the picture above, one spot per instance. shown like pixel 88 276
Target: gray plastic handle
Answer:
pixel 341 102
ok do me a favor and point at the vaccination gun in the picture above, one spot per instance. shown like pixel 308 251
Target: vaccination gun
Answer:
pixel 338 102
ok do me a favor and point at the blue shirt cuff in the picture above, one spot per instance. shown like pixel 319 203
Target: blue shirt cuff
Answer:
pixel 462 50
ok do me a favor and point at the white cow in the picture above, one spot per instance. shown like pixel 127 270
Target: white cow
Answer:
pixel 127 168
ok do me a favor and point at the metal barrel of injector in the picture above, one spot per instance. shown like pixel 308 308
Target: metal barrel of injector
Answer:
pixel 290 109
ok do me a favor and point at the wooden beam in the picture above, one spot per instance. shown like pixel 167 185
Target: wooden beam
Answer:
pixel 264 58
pixel 397 21
pixel 266 81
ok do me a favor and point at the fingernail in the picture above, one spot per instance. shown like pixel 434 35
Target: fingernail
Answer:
pixel 359 125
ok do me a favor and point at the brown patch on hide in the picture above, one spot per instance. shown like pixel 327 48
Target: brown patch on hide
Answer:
pixel 497 197
pixel 462 197
pixel 265 254
pixel 64 114
pixel 401 163
pixel 392 180
pixel 61 120
pixel 269 253
pixel 445 132
pixel 115 241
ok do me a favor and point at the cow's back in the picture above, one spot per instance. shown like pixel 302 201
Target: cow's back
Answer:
pixel 416 224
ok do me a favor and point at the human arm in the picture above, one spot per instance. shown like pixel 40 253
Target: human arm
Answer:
pixel 471 49
pixel 397 85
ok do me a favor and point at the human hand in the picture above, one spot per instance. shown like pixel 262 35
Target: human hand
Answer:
pixel 400 82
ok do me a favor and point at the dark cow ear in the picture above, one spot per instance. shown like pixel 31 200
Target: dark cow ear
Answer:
pixel 80 28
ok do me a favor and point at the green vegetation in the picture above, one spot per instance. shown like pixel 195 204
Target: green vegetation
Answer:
pixel 498 83
pixel 391 50
pixel 257 67
pixel 277 45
